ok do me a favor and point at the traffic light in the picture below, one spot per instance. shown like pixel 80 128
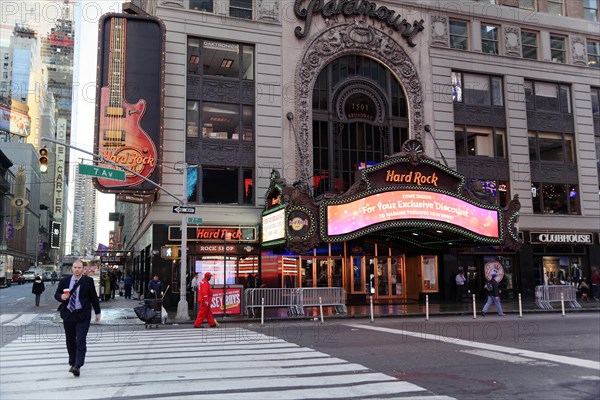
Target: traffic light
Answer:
pixel 44 160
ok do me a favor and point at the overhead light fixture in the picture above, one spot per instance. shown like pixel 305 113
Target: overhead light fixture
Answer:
pixel 415 234
pixel 438 231
pixel 227 63
pixel 194 59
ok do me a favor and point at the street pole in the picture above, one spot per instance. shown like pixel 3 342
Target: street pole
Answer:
pixel 224 274
pixel 182 307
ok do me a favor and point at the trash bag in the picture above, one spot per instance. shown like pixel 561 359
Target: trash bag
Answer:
pixel 144 312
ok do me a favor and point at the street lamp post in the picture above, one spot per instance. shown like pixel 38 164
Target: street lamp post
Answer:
pixel 182 307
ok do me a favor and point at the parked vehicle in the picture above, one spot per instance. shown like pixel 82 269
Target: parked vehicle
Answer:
pixel 46 276
pixel 6 270
pixel 29 276
pixel 17 277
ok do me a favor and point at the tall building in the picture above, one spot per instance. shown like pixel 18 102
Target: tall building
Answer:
pixel 84 240
pixel 296 105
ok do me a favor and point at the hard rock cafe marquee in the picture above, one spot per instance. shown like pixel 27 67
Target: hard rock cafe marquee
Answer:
pixel 383 236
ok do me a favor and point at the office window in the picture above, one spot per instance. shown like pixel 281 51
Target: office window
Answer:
pixel 556 7
pixel 489 39
pixel 547 146
pixel 590 10
pixel 593 50
pixel 459 35
pixel 529 45
pixel 201 5
pixel 476 89
pixel 555 198
pixel 596 102
pixel 558 51
pixel 527 4
pixel 225 185
pixel 479 141
pixel 222 121
pixel 547 97
pixel 240 9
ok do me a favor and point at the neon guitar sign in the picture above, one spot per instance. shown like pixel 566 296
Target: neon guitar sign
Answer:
pixel 121 138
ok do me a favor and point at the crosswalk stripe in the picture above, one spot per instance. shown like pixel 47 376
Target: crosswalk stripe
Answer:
pixel 17 319
pixel 192 364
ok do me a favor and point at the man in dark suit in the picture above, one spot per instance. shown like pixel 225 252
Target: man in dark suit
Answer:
pixel 77 312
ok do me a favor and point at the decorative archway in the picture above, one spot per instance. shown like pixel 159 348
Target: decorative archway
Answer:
pixel 351 38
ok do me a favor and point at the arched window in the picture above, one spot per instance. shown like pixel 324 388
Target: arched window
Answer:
pixel 360 115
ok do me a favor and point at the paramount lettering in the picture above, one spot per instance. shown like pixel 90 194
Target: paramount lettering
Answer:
pixel 349 8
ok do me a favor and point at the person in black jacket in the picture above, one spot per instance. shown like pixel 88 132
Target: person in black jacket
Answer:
pixel 493 297
pixel 77 312
pixel 37 289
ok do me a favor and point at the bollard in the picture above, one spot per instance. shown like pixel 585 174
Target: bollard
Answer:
pixel 262 311
pixel 520 307
pixel 321 310
pixel 474 308
pixel 562 303
pixel 371 309
pixel 426 307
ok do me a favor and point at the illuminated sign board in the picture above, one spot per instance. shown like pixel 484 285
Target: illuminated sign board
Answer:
pixel 59 180
pixel 129 101
pixel 214 233
pixel 273 226
pixel 14 122
pixel 385 207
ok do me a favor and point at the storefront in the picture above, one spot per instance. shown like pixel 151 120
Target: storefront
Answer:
pixel 388 235
pixel 558 258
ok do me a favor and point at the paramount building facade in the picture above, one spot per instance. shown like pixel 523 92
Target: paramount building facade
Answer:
pixel 377 146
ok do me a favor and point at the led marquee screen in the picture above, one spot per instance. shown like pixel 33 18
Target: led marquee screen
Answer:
pixel 410 205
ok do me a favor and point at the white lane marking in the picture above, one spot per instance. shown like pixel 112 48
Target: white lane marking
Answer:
pixel 119 368
pixel 22 319
pixel 22 298
pixel 577 362
pixel 7 317
pixel 508 358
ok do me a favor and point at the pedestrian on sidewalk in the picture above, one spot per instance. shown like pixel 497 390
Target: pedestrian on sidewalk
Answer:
pixel 596 283
pixel 53 277
pixel 77 293
pixel 493 296
pixel 128 285
pixel 205 295
pixel 584 290
pixel 460 285
pixel 155 288
pixel 37 289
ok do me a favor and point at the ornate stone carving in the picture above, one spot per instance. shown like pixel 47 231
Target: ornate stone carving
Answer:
pixel 578 51
pixel 339 40
pixel 512 41
pixel 194 87
pixel 367 88
pixel 172 3
pixel 217 90
pixel 268 10
pixel 439 30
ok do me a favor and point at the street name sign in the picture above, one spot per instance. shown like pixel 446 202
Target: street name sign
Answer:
pixel 194 220
pixel 101 172
pixel 184 210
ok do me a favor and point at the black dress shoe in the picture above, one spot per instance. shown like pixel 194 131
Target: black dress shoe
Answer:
pixel 74 371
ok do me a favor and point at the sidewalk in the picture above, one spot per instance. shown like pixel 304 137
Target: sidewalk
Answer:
pixel 120 311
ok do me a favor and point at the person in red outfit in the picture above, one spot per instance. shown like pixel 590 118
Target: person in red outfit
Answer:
pixel 205 296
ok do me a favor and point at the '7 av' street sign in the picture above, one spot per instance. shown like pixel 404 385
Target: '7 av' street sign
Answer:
pixel 100 172
pixel 184 210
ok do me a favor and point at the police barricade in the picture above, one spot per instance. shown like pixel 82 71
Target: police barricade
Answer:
pixel 294 299
pixel 274 298
pixel 544 295
pixel 323 296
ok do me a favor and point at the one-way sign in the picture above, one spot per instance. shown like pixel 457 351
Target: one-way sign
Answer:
pixel 184 210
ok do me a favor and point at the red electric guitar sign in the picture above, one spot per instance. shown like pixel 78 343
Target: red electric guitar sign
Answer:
pixel 120 135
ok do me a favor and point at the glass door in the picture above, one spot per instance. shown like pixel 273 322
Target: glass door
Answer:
pixel 357 277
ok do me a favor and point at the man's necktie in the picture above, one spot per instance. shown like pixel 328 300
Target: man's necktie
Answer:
pixel 72 299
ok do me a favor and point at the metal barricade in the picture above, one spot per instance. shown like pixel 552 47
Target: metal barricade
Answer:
pixel 544 295
pixel 335 296
pixel 294 299
pixel 285 297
